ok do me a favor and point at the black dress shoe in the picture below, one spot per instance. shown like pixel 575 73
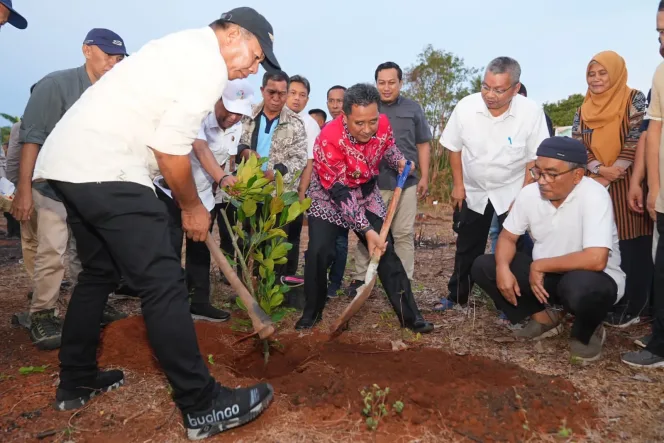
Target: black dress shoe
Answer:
pixel 306 323
pixel 421 327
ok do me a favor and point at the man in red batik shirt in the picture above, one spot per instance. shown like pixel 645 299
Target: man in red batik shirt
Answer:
pixel 344 195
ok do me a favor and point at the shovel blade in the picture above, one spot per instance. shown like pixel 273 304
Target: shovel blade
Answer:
pixel 362 294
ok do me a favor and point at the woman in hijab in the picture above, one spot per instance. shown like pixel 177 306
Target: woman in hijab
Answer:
pixel 608 123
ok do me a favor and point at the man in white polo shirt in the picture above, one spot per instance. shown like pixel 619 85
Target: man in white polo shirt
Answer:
pixel 140 118
pixel 218 136
pixel 576 258
pixel 492 137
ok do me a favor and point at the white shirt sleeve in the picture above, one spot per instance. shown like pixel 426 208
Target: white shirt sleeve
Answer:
pixel 313 130
pixel 517 220
pixel 539 133
pixel 201 132
pixel 597 219
pixel 451 138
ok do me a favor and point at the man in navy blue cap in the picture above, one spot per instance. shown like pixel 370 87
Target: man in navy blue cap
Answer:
pixel 102 158
pixel 575 261
pixel 9 15
pixel 41 212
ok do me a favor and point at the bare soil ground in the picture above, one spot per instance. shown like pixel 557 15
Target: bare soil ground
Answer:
pixel 467 381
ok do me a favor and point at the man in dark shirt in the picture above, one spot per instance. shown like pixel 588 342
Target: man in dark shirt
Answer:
pixel 51 98
pixel 335 100
pixel 413 136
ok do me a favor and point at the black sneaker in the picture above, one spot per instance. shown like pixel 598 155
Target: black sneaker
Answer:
pixel 207 312
pixel 307 323
pixel 45 330
pixel 106 381
pixel 621 320
pixel 111 314
pixel 643 359
pixel 353 287
pixel 421 327
pixel 333 289
pixel 231 408
pixel 643 341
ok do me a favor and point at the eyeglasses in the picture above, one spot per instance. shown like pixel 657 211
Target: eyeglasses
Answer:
pixel 537 173
pixel 272 93
pixel 486 88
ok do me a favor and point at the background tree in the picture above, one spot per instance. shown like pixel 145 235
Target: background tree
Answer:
pixel 437 81
pixel 562 112
pixel 4 130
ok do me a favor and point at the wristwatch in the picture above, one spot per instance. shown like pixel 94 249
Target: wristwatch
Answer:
pixel 595 170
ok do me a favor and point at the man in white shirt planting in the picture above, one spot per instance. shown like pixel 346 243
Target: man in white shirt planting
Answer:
pixel 140 119
pixel 216 140
pixel 575 262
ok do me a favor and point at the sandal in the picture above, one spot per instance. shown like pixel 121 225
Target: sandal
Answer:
pixel 445 304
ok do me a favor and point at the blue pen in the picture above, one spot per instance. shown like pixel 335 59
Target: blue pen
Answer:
pixel 509 139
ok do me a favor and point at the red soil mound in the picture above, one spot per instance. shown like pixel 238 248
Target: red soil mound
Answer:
pixel 478 398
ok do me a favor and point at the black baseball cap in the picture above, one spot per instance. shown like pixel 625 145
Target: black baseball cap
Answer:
pixel 106 40
pixel 15 19
pixel 258 25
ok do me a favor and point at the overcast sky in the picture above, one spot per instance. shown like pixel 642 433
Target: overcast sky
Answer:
pixel 342 41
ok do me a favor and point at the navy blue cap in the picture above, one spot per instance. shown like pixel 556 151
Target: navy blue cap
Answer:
pixel 564 148
pixel 15 19
pixel 106 40
pixel 258 25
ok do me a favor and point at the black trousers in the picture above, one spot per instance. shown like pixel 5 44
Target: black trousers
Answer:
pixel 294 231
pixel 338 264
pixel 656 344
pixel 197 256
pixel 121 228
pixel 321 252
pixel 473 231
pixel 586 294
pixel 636 263
pixel 226 243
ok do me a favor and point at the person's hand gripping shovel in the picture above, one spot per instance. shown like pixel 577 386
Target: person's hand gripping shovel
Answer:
pixel 364 291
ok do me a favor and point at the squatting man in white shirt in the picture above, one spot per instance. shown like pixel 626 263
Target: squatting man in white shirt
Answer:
pixel 492 137
pixel 139 120
pixel 576 259
pixel 216 141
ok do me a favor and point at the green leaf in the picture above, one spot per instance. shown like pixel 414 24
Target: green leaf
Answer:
pixel 278 315
pixel 238 302
pixel 238 230
pixel 294 211
pixel 268 190
pixel 259 183
pixel 284 289
pixel 262 270
pixel 230 260
pixel 276 206
pixel 276 300
pixel 290 197
pixel 270 280
pixel 279 181
pixel 277 232
pixel 269 224
pixel 281 250
pixel 283 217
pixel 241 217
pixel 265 305
pixel 269 264
pixel 249 207
pixel 252 162
pixel 235 203
pixel 258 256
pixel 251 181
pixel 305 204
pixel 281 261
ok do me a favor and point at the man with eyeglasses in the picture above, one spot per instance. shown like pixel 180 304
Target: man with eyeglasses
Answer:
pixel 278 133
pixel 576 258
pixel 9 15
pixel 492 137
